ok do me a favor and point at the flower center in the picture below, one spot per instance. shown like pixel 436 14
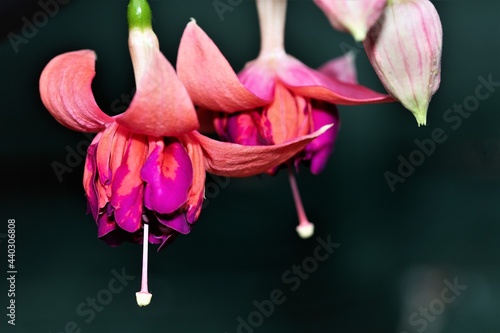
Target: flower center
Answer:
pixel 305 229
pixel 143 297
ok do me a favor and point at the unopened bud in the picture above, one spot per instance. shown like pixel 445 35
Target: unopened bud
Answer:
pixel 355 17
pixel 404 48
pixel 139 14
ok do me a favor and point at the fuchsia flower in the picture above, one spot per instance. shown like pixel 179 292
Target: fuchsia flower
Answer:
pixel 354 16
pixel 145 169
pixel 275 99
pixel 404 48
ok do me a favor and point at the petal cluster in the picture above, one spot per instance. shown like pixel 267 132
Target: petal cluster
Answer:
pixel 132 178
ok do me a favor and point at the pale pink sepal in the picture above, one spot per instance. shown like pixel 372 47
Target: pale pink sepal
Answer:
pixel 161 105
pixel 354 16
pixel 233 160
pixel 208 76
pixel 259 78
pixel 304 81
pixel 341 68
pixel 405 51
pixel 65 89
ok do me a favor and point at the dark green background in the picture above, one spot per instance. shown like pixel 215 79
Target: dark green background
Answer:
pixel 441 223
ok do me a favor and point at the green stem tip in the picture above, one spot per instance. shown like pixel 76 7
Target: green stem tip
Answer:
pixel 139 14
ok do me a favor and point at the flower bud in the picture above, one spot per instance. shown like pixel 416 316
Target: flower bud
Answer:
pixel 139 14
pixel 404 48
pixel 355 16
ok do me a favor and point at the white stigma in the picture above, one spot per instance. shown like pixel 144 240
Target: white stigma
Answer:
pixel 305 230
pixel 143 297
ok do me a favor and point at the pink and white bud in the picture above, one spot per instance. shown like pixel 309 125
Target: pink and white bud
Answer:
pixel 353 16
pixel 404 48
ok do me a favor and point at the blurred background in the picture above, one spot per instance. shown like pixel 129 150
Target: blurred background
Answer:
pixel 422 258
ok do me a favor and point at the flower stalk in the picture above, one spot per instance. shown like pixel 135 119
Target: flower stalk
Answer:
pixel 272 16
pixel 305 229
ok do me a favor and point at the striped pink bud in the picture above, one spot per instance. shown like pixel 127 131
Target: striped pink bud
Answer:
pixel 404 48
pixel 353 16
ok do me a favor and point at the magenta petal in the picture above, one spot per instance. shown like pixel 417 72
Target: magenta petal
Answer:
pixel 197 189
pixel 129 213
pixel 89 179
pixel 117 237
pixel 177 223
pixel 163 240
pixel 168 174
pixel 241 128
pixel 319 150
pixel 105 224
pixel 127 186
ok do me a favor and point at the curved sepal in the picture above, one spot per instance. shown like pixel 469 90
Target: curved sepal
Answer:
pixel 161 105
pixel 307 82
pixel 233 160
pixel 341 68
pixel 65 89
pixel 208 76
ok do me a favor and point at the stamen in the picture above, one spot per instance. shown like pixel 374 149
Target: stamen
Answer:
pixel 143 297
pixel 305 229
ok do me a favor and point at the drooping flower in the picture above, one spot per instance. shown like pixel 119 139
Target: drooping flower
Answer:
pixel 145 169
pixel 356 17
pixel 404 48
pixel 275 98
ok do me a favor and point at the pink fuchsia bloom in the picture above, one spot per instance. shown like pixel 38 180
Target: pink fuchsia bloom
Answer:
pixel 404 48
pixel 353 16
pixel 274 99
pixel 145 170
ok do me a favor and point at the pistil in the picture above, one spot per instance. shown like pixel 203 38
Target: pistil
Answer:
pixel 305 229
pixel 144 296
